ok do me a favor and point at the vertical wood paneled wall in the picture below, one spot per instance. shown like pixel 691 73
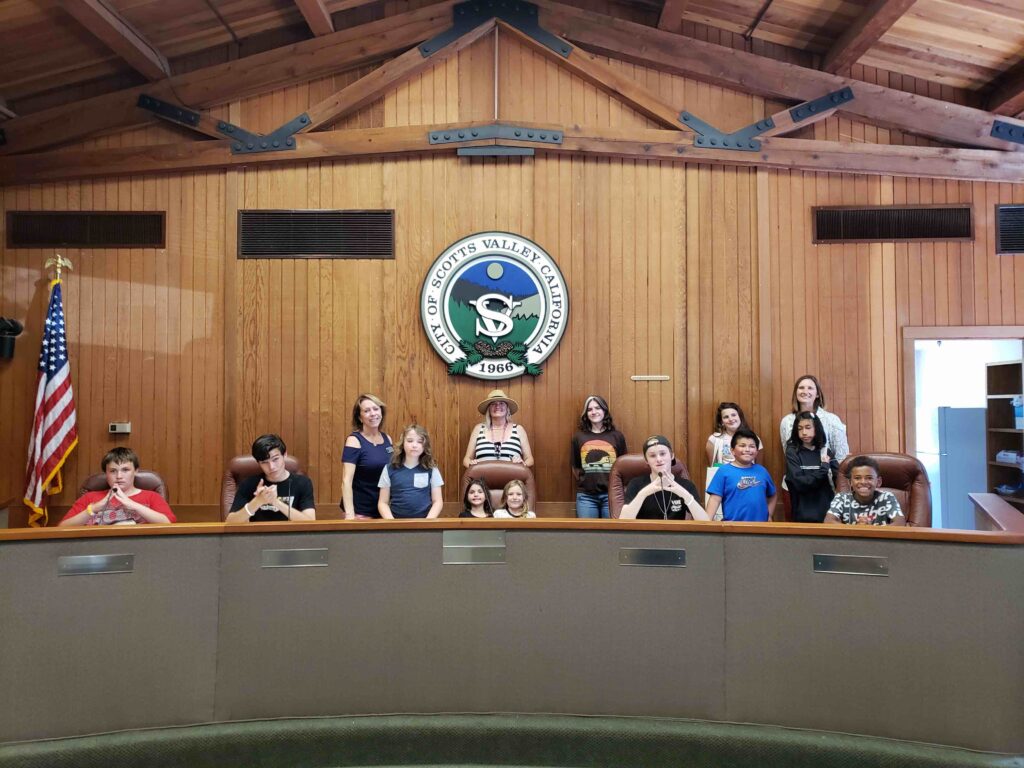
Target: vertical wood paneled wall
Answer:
pixel 706 274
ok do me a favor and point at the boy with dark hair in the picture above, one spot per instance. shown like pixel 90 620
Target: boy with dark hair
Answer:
pixel 123 504
pixel 276 494
pixel 742 489
pixel 864 504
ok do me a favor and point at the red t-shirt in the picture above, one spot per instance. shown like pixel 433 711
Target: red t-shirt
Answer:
pixel 114 511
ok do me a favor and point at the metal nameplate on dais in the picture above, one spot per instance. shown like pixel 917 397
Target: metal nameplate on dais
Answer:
pixel 653 558
pixel 88 565
pixel 854 565
pixel 294 558
pixel 473 547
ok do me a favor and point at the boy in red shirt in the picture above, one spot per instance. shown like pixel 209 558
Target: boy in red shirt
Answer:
pixel 123 504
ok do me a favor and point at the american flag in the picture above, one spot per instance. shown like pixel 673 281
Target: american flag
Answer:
pixel 54 429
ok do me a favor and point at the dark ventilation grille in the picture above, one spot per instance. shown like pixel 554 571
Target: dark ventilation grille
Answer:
pixel 1010 229
pixel 337 234
pixel 888 223
pixel 85 229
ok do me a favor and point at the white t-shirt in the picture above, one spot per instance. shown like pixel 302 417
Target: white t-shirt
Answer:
pixel 508 515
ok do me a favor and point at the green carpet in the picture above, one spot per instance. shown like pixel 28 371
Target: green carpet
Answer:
pixel 486 740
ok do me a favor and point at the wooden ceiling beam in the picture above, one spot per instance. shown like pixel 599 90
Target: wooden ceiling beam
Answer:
pixel 784 122
pixel 869 27
pixel 608 79
pixel 337 6
pixel 385 77
pixel 365 89
pixel 321 56
pixel 1006 95
pixel 6 113
pixel 646 144
pixel 317 16
pixel 118 35
pixel 761 76
pixel 671 17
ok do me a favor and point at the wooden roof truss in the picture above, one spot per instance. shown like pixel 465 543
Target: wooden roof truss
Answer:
pixel 105 23
pixel 439 35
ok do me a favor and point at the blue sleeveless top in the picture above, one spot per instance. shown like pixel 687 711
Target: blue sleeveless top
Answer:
pixel 370 460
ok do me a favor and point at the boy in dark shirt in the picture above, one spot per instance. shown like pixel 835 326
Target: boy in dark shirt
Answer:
pixel 661 495
pixel 275 495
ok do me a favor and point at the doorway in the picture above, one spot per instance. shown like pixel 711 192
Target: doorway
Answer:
pixel 951 414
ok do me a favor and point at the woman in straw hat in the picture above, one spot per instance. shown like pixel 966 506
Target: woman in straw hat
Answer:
pixel 498 438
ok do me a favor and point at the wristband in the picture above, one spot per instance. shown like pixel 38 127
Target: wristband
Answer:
pixel 246 508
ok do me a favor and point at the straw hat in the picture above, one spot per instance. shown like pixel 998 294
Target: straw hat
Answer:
pixel 498 396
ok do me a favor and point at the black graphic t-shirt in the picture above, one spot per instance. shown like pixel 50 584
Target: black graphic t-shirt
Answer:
pixel 593 453
pixel 661 505
pixel 295 490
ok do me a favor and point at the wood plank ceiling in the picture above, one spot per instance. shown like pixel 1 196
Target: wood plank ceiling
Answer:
pixel 49 56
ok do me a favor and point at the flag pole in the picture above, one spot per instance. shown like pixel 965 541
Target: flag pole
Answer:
pixel 54 423
pixel 59 263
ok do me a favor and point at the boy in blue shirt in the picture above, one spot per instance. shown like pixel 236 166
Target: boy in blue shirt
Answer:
pixel 742 489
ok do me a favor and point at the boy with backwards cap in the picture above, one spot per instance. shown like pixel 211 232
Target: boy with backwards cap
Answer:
pixel 661 495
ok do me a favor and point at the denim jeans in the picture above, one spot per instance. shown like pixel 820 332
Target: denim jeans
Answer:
pixel 591 505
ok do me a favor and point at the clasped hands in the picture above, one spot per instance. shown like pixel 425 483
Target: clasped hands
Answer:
pixel 126 501
pixel 666 482
pixel 267 494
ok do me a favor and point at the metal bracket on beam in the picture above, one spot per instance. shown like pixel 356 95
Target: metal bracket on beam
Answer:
pixel 495 131
pixel 245 143
pixel 744 139
pixel 829 101
pixel 516 13
pixel 1001 130
pixel 167 111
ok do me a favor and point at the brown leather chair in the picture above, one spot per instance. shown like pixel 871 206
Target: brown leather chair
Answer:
pixel 905 477
pixel 145 479
pixel 497 474
pixel 626 468
pixel 241 467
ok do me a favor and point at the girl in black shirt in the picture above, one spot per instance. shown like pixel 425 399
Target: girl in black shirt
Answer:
pixel 810 469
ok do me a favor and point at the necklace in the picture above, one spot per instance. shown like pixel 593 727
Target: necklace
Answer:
pixel 375 439
pixel 662 502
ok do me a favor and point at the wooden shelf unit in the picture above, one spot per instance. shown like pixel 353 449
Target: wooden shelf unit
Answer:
pixel 1004 381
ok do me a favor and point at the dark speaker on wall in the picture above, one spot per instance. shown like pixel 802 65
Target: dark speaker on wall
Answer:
pixel 891 223
pixel 1009 229
pixel 316 234
pixel 85 229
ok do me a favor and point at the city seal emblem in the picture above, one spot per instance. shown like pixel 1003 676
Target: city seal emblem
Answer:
pixel 494 305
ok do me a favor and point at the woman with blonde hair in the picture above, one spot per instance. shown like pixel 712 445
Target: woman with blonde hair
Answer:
pixel 498 438
pixel 367 451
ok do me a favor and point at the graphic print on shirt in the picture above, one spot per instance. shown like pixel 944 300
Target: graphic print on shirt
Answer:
pixel 597 456
pixel 748 481
pixel 289 500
